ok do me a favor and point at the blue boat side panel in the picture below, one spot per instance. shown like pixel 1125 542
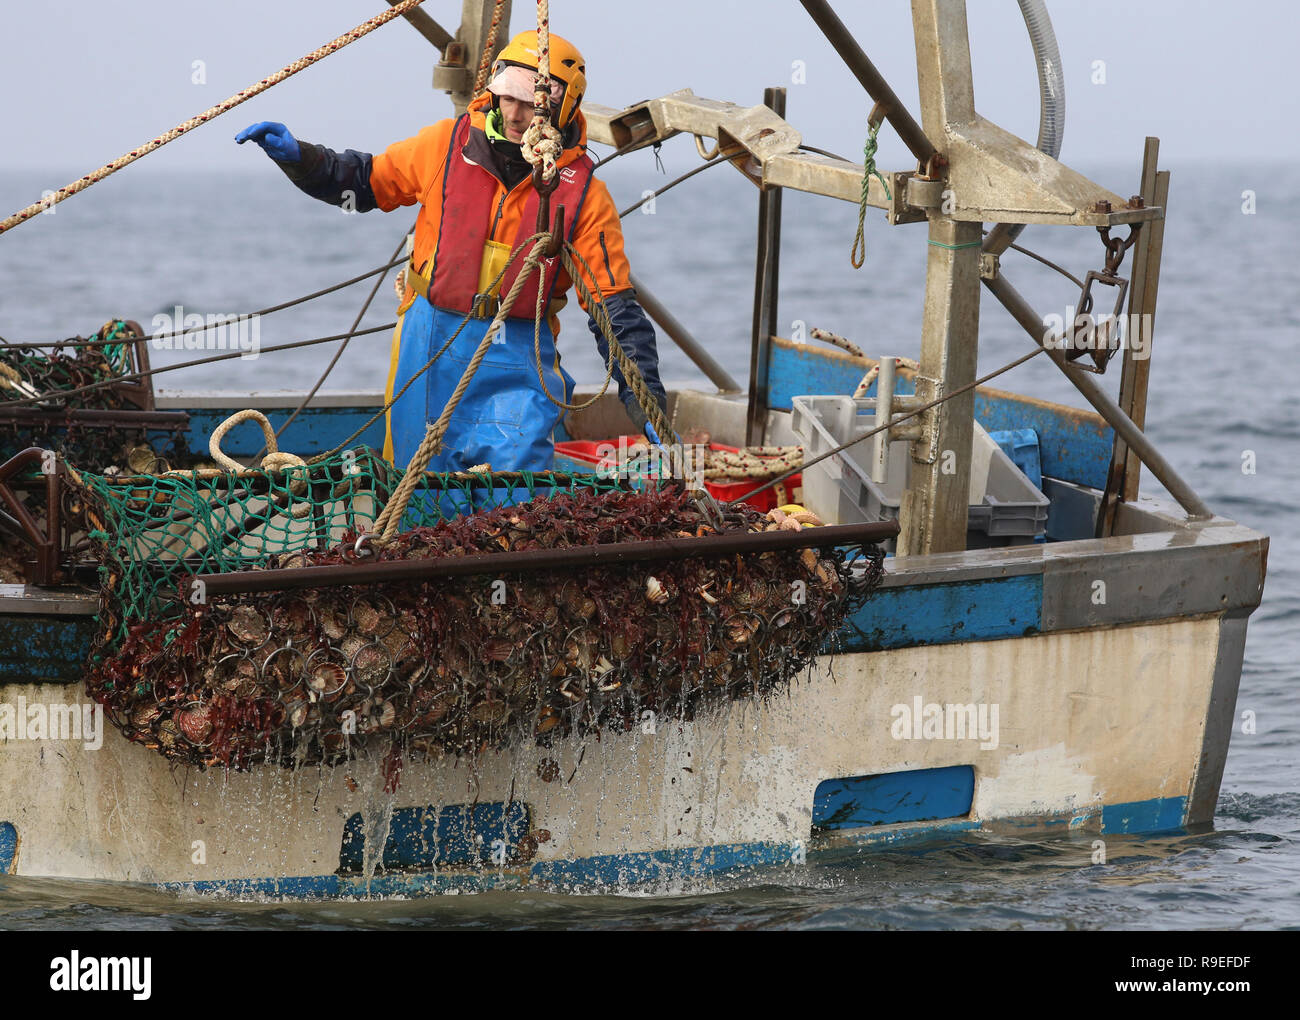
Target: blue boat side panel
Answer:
pixel 432 836
pixel 921 795
pixel 1072 444
pixel 8 847
pixel 44 649
pixel 796 369
pixel 314 431
pixel 1160 814
pixel 944 613
pixel 1075 445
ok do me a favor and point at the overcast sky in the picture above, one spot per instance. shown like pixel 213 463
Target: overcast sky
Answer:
pixel 84 81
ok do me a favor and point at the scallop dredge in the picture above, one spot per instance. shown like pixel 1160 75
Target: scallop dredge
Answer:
pixel 459 665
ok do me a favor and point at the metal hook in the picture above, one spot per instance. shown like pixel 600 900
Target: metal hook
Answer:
pixel 557 234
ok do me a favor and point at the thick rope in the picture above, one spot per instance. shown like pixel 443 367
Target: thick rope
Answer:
pixel 541 141
pixel 871 376
pixel 868 171
pixel 239 97
pixel 631 373
pixel 485 62
pixel 282 460
pixel 751 463
pixel 841 342
pixel 275 460
pixel 12 378
pixel 538 317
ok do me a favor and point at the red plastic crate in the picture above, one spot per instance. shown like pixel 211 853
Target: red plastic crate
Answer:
pixel 586 451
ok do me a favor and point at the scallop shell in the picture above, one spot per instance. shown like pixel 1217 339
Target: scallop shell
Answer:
pixel 248 626
pixel 333 622
pixel 371 665
pixel 498 649
pixel 655 591
pixel 489 711
pixel 326 678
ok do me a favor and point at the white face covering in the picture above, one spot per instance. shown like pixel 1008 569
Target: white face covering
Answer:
pixel 517 83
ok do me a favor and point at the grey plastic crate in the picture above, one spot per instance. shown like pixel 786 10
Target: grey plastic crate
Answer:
pixel 1004 503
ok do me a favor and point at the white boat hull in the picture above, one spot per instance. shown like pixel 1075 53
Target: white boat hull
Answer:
pixel 1090 724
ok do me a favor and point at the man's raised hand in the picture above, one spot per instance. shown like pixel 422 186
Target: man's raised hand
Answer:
pixel 275 140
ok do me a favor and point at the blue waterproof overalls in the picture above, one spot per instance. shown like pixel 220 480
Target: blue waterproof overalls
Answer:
pixel 504 418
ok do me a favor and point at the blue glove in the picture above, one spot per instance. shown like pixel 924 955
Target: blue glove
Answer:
pixel 274 139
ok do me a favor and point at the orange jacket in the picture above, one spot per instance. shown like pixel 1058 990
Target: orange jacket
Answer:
pixel 411 171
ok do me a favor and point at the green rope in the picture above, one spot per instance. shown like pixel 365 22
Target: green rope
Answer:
pixel 868 171
pixel 116 353
pixel 957 247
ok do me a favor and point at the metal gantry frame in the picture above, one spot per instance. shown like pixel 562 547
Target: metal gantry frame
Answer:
pixel 969 172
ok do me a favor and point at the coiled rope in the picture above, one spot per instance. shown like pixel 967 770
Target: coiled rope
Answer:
pixel 215 111
pixel 275 460
pixel 751 463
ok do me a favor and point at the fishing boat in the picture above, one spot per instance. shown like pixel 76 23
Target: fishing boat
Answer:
pixel 1065 659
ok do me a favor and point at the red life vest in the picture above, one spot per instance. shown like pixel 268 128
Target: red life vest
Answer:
pixel 467 193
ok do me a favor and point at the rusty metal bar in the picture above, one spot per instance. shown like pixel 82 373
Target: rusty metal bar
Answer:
pixel 532 560
pixel 138 391
pixel 766 280
pixel 174 420
pixel 1101 400
pixel 1137 407
pixel 45 543
pixel 425 25
pixel 682 337
pixel 1125 470
pixel 871 79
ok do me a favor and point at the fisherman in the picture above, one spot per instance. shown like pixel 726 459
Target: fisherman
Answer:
pixel 478 203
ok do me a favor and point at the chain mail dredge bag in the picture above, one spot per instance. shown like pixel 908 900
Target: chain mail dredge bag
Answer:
pixel 457 665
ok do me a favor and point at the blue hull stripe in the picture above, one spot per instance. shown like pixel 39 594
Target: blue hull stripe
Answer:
pixel 1161 814
pixel 656 866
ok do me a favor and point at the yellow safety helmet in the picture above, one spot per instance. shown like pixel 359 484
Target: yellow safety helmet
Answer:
pixel 567 67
